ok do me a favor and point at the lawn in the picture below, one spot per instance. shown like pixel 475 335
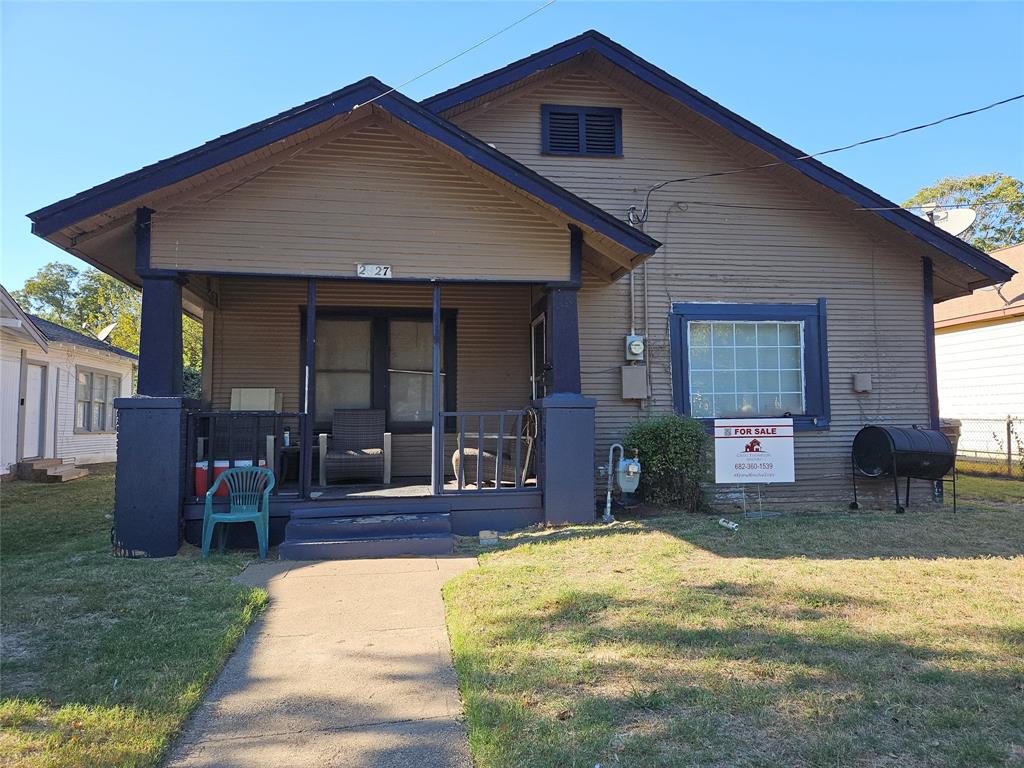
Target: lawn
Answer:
pixel 103 658
pixel 865 639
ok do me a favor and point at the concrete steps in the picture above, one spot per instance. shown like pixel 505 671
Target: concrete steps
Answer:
pixel 344 533
pixel 50 470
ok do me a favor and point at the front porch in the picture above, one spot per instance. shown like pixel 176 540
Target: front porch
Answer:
pixel 464 380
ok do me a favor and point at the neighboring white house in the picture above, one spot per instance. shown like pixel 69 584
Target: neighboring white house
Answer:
pixel 56 391
pixel 979 348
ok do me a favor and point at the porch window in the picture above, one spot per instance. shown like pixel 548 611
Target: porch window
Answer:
pixel 750 360
pixel 381 360
pixel 94 400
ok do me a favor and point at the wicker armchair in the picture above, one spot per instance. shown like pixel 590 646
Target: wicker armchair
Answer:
pixel 487 460
pixel 357 449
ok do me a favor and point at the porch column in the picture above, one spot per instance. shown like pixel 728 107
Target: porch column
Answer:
pixel 309 391
pixel 567 418
pixel 436 428
pixel 160 366
pixel 150 483
pixel 160 345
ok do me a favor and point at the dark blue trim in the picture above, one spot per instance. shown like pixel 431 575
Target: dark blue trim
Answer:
pixel 437 429
pixel 52 218
pixel 581 115
pixel 595 42
pixel 143 235
pixel 309 388
pixel 564 331
pixel 929 336
pixel 816 380
pixel 160 343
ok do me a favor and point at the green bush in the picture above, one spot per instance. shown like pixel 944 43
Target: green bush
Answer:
pixel 675 457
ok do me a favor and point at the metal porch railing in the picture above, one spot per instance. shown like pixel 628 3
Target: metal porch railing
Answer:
pixel 496 450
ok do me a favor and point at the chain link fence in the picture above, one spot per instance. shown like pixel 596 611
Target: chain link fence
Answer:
pixel 989 446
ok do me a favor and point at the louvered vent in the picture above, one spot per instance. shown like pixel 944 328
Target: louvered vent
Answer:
pixel 581 130
pixel 600 133
pixel 563 132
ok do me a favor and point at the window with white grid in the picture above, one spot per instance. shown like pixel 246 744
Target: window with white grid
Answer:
pixel 746 368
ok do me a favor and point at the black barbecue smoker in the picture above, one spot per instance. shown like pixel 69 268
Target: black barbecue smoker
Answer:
pixel 915 453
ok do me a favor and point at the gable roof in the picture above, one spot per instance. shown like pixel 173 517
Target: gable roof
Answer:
pixel 61 335
pixel 234 145
pixel 594 42
pixel 11 310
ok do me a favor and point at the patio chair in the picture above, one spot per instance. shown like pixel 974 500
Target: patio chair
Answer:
pixel 357 449
pixel 248 502
pixel 488 461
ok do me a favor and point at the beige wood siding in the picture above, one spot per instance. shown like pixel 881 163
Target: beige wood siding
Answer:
pixel 874 290
pixel 257 343
pixel 369 196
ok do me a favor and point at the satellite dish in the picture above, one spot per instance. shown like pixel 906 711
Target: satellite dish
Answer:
pixel 955 221
pixel 102 335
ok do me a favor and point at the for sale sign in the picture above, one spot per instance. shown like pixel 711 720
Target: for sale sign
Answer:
pixel 754 451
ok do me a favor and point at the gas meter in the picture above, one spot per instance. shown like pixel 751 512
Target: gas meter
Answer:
pixel 625 474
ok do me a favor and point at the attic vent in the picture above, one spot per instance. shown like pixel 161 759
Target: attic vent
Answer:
pixel 581 130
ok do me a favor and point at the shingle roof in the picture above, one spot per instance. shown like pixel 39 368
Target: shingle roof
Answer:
pixel 60 334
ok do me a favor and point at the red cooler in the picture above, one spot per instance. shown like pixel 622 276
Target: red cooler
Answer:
pixel 202 480
pixel 219 467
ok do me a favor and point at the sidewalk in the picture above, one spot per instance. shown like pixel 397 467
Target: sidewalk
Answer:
pixel 350 666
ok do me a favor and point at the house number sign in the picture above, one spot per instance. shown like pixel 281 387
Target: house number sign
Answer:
pixel 373 270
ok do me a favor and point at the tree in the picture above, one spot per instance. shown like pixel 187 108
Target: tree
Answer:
pixel 998 199
pixel 88 301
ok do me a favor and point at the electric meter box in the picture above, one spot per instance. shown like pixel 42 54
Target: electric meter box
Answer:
pixel 636 347
pixel 634 382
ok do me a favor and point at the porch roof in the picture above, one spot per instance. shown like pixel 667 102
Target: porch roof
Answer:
pixel 97 212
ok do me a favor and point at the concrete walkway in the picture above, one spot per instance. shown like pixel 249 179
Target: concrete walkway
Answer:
pixel 350 666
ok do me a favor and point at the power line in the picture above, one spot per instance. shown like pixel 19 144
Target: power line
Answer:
pixel 449 60
pixel 656 187
pixel 711 204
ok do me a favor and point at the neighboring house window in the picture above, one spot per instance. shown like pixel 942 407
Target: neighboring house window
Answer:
pixel 751 360
pixel 383 361
pixel 581 130
pixel 94 400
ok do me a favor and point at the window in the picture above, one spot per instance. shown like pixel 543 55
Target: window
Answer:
pixel 581 130
pixel 382 360
pixel 94 400
pixel 749 360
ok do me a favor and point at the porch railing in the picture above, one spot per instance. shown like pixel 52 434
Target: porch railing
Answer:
pixel 216 440
pixel 495 450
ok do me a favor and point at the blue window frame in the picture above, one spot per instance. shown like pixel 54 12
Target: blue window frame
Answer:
pixel 749 360
pixel 581 131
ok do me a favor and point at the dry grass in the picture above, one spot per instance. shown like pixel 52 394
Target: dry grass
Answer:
pixel 807 640
pixel 103 658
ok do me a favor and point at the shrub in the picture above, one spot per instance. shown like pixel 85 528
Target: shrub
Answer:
pixel 675 457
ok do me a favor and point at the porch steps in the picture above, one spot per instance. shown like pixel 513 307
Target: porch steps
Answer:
pixel 345 533
pixel 50 470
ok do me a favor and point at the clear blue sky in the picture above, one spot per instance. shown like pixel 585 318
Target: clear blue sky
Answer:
pixel 91 91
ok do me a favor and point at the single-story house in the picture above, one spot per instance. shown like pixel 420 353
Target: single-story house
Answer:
pixel 979 353
pixel 451 308
pixel 58 394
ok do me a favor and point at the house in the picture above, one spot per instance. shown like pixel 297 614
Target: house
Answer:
pixel 979 352
pixel 494 275
pixel 57 397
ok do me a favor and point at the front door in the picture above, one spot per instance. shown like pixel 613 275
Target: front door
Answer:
pixel 539 356
pixel 35 411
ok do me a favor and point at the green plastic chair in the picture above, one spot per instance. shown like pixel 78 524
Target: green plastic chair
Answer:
pixel 248 502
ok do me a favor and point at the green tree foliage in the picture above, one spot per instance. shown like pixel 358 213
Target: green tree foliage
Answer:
pixel 88 301
pixel 998 199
